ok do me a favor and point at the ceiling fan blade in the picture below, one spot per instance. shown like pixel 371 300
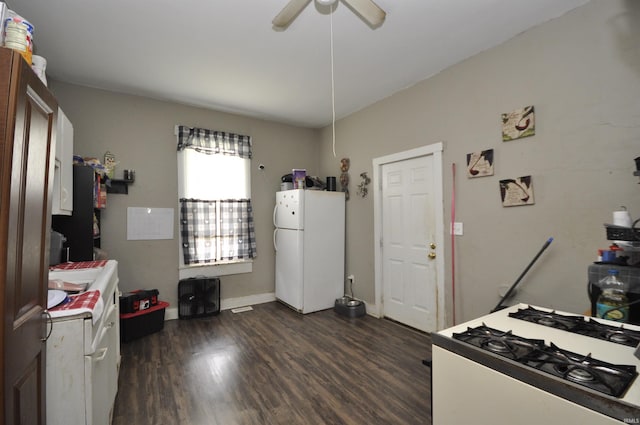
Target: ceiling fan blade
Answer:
pixel 368 10
pixel 289 13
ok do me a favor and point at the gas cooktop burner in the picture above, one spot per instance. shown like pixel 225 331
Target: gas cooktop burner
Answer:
pixel 545 318
pixel 618 335
pixel 498 346
pixel 576 374
pixel 581 369
pixel 577 324
pixel 504 343
pixel 596 374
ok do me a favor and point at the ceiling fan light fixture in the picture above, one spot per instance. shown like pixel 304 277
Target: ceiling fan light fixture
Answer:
pixel 366 9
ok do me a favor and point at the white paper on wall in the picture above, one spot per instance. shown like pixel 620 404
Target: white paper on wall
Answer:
pixel 149 223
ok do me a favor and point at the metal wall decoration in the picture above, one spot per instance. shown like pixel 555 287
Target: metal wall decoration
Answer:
pixel 363 189
pixel 518 123
pixel 480 164
pixel 518 191
pixel 345 163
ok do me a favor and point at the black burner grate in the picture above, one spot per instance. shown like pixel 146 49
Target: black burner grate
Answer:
pixel 577 324
pixel 583 370
pixel 580 369
pixel 503 343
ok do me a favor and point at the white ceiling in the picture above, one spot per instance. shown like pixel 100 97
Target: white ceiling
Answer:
pixel 225 55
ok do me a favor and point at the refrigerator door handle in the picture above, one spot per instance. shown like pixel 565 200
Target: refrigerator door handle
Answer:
pixel 274 239
pixel 274 215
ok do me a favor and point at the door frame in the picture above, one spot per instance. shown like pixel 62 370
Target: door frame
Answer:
pixel 434 149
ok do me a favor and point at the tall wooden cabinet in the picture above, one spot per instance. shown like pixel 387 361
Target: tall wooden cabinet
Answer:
pixel 28 115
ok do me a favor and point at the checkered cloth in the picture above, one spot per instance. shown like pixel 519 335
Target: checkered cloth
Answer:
pixel 214 142
pixel 79 265
pixel 87 302
pixel 237 234
pixel 217 230
pixel 198 231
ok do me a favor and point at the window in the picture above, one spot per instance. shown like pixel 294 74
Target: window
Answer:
pixel 214 189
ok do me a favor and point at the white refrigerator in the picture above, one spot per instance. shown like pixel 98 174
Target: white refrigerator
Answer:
pixel 309 243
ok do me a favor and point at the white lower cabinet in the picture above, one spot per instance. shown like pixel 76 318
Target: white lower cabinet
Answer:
pixel 83 361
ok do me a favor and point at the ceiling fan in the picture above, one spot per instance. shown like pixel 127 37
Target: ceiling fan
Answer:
pixel 367 9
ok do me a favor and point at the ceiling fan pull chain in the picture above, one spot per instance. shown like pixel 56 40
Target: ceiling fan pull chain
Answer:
pixel 333 91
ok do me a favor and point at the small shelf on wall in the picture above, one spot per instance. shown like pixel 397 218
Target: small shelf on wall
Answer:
pixel 119 186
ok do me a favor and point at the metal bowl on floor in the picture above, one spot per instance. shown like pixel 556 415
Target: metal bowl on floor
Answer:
pixel 347 306
pixel 343 300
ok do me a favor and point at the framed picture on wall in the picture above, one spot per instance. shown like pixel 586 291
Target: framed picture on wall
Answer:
pixel 517 191
pixel 480 164
pixel 518 124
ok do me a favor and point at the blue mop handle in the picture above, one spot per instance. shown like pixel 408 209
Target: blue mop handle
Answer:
pixel 508 294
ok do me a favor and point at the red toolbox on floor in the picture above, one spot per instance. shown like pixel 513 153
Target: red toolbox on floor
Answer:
pixel 143 322
pixel 141 299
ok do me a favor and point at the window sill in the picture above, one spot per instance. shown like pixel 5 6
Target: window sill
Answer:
pixel 186 272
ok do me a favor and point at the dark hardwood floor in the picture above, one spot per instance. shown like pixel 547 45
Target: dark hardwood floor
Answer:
pixel 275 366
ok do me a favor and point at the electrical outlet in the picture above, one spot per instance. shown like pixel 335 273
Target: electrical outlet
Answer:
pixel 457 228
pixel 351 279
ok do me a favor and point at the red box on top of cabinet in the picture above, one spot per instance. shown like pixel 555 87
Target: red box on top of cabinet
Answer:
pixel 142 323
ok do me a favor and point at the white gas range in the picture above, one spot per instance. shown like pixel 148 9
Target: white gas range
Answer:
pixel 505 368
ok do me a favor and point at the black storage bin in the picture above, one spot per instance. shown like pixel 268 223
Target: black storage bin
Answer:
pixel 142 323
pixel 142 299
pixel 198 297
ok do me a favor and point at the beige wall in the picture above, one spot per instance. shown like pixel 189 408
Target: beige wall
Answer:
pixel 140 132
pixel 582 73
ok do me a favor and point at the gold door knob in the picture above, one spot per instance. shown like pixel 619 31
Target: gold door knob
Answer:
pixel 432 255
pixel 432 245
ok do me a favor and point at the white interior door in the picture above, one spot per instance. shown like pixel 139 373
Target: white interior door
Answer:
pixel 411 241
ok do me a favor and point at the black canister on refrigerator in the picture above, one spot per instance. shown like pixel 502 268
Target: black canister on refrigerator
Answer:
pixel 331 184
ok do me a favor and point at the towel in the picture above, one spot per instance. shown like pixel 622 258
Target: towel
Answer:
pixel 79 265
pixel 87 302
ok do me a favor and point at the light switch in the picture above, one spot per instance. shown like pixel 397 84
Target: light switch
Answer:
pixel 457 228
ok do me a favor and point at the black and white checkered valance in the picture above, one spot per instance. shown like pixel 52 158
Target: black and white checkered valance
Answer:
pixel 214 142
pixel 214 231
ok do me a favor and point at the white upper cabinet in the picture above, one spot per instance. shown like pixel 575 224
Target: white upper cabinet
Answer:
pixel 62 203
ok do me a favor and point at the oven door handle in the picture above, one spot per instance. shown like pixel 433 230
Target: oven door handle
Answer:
pixel 48 324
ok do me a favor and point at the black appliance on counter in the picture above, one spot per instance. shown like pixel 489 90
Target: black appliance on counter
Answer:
pixel 627 274
pixel 56 250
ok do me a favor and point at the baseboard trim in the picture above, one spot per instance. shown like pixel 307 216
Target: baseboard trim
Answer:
pixel 229 303
pixel 372 310
pixel 171 313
